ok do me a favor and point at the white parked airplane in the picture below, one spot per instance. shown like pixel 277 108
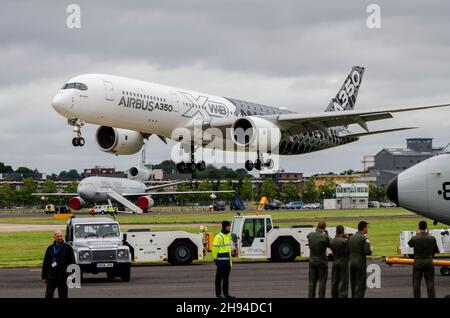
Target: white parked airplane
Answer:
pixel 100 190
pixel 425 188
pixel 129 110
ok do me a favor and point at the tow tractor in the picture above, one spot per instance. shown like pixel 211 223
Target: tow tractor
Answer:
pixel 443 242
pixel 175 247
pixel 256 237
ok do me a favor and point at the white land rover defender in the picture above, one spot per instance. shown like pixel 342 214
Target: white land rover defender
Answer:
pixel 98 247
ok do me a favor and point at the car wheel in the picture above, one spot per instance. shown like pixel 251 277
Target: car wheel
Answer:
pixel 110 275
pixel 125 273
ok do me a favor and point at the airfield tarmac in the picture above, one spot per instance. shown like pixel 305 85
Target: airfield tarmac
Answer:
pixel 252 280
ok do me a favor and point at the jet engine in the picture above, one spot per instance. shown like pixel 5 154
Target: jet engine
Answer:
pixel 256 133
pixel 145 202
pixel 118 141
pixel 138 173
pixel 76 203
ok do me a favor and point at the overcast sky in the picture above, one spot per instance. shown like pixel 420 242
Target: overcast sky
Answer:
pixel 293 54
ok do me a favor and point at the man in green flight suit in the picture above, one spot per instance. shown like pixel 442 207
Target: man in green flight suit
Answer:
pixel 425 247
pixel 318 262
pixel 339 270
pixel 359 248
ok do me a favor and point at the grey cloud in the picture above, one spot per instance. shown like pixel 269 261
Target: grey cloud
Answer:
pixel 284 53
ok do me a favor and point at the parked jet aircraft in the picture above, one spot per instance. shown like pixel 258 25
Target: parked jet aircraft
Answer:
pixel 425 188
pixel 99 190
pixel 129 110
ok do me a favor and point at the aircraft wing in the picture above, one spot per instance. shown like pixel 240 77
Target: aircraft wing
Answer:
pixel 177 192
pixel 165 185
pixel 55 194
pixel 297 122
pixel 340 118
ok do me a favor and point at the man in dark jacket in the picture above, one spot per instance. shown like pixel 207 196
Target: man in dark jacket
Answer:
pixel 339 270
pixel 359 249
pixel 318 262
pixel 58 256
pixel 425 247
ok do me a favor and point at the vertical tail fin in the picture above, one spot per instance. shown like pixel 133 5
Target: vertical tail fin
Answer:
pixel 345 99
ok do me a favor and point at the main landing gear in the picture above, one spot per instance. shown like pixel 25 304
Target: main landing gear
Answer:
pixel 259 164
pixel 78 141
pixel 190 167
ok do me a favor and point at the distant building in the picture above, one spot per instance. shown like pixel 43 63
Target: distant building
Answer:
pixel 389 162
pixel 282 178
pixel 352 196
pixel 17 176
pixel 104 172
pixel 348 178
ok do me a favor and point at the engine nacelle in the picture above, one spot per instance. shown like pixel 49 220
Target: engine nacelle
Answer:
pixel 256 133
pixel 118 141
pixel 76 203
pixel 137 173
pixel 145 202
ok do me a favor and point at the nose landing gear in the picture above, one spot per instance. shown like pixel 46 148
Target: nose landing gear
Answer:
pixel 77 124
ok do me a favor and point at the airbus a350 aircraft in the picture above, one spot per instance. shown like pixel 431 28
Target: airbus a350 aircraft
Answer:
pixel 100 190
pixel 129 110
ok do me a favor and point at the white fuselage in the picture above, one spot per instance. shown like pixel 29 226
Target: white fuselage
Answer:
pixel 425 188
pixel 148 108
pixel 137 105
pixel 93 189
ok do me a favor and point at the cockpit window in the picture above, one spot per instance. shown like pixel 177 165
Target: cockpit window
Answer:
pixel 79 86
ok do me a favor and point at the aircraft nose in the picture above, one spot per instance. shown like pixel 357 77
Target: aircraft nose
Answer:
pixel 57 103
pixel 61 105
pixel 392 190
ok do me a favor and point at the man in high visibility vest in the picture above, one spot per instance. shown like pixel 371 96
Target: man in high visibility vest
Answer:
pixel 110 210
pixel 222 258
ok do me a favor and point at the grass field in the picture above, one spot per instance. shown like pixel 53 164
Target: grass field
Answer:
pixel 27 248
pixel 205 217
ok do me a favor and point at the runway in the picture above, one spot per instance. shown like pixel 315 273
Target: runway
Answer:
pixel 253 280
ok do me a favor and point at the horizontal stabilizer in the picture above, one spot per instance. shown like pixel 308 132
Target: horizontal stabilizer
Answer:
pixel 377 132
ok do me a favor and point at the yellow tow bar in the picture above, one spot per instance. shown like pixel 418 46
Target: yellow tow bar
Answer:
pixel 445 265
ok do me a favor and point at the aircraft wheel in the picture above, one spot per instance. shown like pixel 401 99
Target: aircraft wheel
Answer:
pixel 181 167
pixel 201 166
pixel 258 164
pixel 75 142
pixel 248 165
pixel 81 142
pixel 192 166
pixel 269 163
